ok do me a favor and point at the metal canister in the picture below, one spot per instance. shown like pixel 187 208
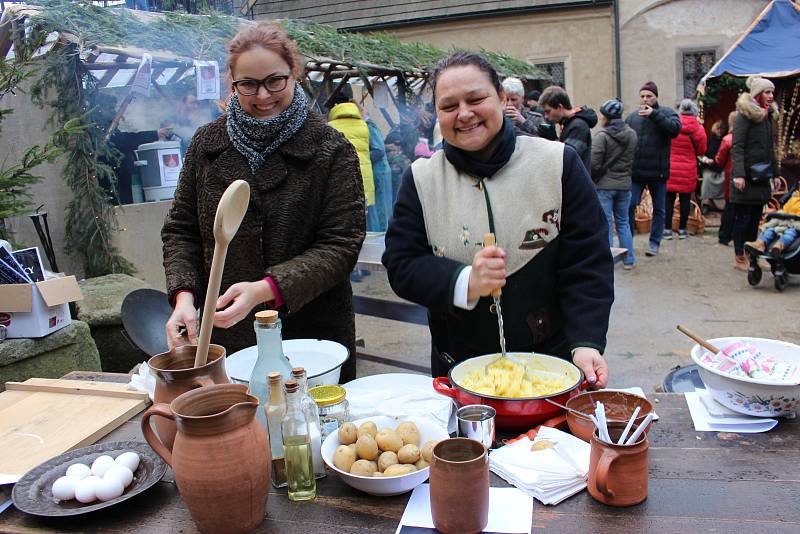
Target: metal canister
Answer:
pixel 476 421
pixel 334 410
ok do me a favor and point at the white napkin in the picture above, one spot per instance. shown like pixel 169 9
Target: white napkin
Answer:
pixel 144 381
pixel 550 475
pixel 706 422
pixel 403 401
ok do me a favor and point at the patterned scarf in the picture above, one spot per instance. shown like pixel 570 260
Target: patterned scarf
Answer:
pixel 257 139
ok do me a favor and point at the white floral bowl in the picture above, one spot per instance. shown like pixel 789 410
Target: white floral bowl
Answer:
pixel 752 396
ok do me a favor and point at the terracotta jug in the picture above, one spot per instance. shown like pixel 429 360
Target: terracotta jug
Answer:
pixel 459 479
pixel 176 374
pixel 221 456
pixel 618 474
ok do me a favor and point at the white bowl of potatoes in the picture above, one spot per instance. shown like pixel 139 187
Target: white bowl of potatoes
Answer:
pixel 381 455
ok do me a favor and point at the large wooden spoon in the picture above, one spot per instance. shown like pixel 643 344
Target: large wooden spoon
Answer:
pixel 230 212
pixel 702 342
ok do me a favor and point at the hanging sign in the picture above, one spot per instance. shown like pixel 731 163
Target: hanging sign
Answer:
pixel 207 75
pixel 141 82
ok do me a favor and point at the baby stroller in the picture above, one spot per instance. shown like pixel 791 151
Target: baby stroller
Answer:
pixel 785 267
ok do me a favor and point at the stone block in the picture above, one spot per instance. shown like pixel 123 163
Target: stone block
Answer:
pixel 101 309
pixel 69 349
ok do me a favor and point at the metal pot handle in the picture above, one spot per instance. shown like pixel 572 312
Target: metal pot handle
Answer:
pixel 442 385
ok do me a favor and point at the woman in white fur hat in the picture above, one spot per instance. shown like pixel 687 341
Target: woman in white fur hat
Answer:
pixel 754 162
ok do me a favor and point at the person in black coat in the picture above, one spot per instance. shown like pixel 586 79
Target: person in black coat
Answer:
pixel 655 127
pixel 552 259
pixel 576 123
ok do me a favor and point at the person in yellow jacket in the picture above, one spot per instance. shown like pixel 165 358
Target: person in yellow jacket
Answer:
pixel 346 117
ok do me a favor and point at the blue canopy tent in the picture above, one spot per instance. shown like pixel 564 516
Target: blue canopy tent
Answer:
pixel 770 47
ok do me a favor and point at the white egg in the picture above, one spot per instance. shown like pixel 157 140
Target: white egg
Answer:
pixel 86 489
pixel 64 488
pixel 101 465
pixel 121 473
pixel 129 460
pixel 79 471
pixel 109 488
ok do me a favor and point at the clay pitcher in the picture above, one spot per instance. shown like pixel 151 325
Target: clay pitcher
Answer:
pixel 176 374
pixel 459 479
pixel 618 474
pixel 221 456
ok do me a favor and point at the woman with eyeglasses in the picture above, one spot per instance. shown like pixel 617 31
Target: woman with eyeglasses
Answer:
pixel 304 227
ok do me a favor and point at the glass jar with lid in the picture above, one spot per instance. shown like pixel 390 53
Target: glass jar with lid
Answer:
pixel 333 407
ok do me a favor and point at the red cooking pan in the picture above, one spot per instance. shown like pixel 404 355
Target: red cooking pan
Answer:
pixel 515 414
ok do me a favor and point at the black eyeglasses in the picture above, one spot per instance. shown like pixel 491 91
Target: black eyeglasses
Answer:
pixel 249 86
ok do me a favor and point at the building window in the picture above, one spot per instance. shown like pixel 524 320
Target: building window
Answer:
pixel 695 65
pixel 556 70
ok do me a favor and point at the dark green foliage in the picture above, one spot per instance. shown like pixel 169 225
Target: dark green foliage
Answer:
pixel 720 84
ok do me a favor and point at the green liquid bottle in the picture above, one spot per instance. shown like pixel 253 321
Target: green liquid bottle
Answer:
pixel 297 446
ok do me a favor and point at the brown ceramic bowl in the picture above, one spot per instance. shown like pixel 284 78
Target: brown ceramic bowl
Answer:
pixel 619 407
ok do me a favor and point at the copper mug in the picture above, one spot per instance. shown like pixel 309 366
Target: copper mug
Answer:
pixel 618 474
pixel 459 480
pixel 176 374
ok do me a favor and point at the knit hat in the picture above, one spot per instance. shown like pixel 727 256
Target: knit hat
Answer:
pixel 612 108
pixel 650 86
pixel 758 85
pixel 533 95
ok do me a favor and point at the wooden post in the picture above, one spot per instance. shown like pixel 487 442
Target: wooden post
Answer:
pixel 118 117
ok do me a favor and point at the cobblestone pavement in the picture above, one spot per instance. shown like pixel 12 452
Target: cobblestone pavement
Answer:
pixel 691 282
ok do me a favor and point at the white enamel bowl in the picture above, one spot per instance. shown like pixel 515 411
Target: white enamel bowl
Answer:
pixel 381 486
pixel 752 396
pixel 322 360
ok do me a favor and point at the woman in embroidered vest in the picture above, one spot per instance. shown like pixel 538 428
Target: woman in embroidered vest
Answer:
pixel 305 224
pixel 552 260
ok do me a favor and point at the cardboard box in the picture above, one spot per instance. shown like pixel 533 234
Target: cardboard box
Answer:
pixel 40 308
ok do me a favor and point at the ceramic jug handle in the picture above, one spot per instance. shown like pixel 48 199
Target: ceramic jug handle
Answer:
pixel 163 410
pixel 603 466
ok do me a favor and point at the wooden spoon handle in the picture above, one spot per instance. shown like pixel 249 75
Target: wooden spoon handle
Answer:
pixel 702 342
pixel 212 294
pixel 490 241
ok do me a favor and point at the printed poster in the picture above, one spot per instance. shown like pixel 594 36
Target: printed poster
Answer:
pixel 141 82
pixel 170 163
pixel 207 75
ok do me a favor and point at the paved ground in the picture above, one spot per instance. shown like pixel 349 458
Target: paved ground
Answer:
pixel 691 282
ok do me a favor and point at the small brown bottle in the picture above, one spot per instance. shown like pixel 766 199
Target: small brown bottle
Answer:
pixel 274 410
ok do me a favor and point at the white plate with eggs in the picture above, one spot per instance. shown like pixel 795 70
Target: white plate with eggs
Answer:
pixel 56 487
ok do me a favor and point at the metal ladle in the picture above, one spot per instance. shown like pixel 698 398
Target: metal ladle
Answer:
pixel 230 212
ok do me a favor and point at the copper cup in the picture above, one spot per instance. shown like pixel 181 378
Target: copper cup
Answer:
pixel 459 480
pixel 618 474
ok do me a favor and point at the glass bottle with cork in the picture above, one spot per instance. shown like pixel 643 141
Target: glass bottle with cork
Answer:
pixel 297 446
pixel 275 409
pixel 312 414
pixel 270 358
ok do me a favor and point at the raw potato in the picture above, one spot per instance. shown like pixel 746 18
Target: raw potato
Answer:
pixel 427 450
pixel 386 459
pixel 366 447
pixel 352 447
pixel 363 468
pixel 408 433
pixel 389 440
pixel 408 454
pixel 348 434
pixel 421 464
pixel 344 457
pixel 397 470
pixel 367 428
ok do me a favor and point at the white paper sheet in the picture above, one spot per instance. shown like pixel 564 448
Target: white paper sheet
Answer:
pixel 704 422
pixel 510 511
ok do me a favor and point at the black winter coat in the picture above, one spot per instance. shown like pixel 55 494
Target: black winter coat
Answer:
pixel 655 133
pixel 304 228
pixel 577 133
pixel 753 142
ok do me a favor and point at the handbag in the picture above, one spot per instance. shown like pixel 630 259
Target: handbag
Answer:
pixel 760 172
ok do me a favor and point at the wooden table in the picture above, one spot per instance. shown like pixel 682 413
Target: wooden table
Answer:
pixel 699 481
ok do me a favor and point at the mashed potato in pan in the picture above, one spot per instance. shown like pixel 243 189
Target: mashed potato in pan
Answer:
pixel 504 378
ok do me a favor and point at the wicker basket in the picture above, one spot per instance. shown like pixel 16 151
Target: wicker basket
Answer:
pixel 644 214
pixel 695 225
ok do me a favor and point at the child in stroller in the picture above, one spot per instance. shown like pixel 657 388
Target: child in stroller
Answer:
pixel 779 243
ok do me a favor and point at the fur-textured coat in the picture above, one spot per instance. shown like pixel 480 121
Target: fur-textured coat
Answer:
pixel 753 142
pixel 304 228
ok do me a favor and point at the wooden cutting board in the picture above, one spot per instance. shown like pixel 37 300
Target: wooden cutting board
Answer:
pixel 42 418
